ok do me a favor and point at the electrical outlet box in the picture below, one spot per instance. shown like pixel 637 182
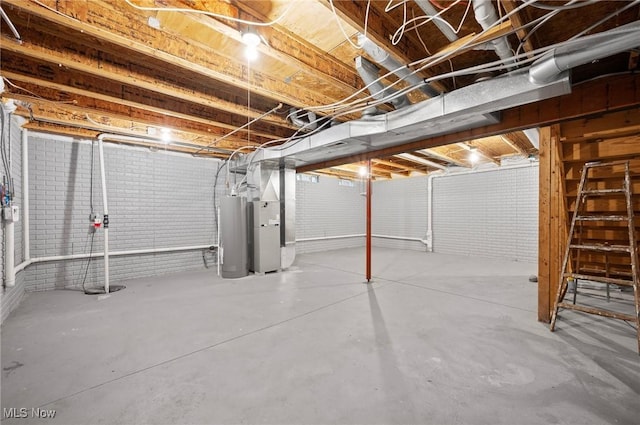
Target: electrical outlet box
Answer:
pixel 11 213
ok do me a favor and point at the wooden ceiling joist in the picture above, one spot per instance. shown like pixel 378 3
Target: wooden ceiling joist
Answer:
pixel 122 26
pixel 179 111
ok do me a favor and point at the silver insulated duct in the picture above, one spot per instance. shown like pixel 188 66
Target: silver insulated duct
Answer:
pixel 584 50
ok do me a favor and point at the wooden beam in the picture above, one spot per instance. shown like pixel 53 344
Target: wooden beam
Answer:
pixel 56 54
pixel 201 120
pixel 119 25
pixel 587 99
pixel 67 116
pixel 395 165
pixel 518 21
pixel 435 153
pixel 508 139
pixel 80 133
pixel 285 47
pixel 133 117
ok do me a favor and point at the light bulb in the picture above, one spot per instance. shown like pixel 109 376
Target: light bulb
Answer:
pixel 362 171
pixel 251 53
pixel 250 38
pixel 166 135
pixel 474 157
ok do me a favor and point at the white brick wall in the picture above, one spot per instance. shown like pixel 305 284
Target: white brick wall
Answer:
pixel 156 200
pixel 11 297
pixel 328 209
pixel 489 214
pixel 399 209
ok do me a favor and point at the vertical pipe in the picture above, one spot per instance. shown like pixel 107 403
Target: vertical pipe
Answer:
pixel 105 222
pixel 25 195
pixel 9 264
pixel 368 237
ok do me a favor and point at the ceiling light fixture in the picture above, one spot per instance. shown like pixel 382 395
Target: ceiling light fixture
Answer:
pixel 166 134
pixel 362 171
pixel 473 155
pixel 251 40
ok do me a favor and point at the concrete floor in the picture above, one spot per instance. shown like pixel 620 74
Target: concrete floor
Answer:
pixel 436 339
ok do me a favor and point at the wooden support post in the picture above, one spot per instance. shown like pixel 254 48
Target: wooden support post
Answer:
pixel 544 223
pixel 552 219
pixel 368 233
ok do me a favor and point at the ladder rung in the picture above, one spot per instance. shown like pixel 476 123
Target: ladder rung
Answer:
pixel 595 164
pixel 599 312
pixel 586 270
pixel 603 191
pixel 602 218
pixel 601 279
pixel 601 247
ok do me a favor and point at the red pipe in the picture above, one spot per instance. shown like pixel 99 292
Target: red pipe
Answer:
pixel 368 248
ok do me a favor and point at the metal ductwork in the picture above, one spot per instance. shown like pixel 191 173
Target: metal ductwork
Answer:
pixel 468 107
pixel 384 59
pixel 487 17
pixel 427 8
pixel 296 117
pixel 369 74
pixel 584 50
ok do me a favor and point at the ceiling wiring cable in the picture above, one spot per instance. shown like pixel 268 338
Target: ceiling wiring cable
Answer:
pixel 426 62
pixel 12 27
pixel 339 22
pixel 55 11
pixel 546 19
pixel 269 112
pixel 38 97
pixel 426 19
pixel 606 18
pixel 569 5
pixel 467 44
pixel 424 45
pixel 212 14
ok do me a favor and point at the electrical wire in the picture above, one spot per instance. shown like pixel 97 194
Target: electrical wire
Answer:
pixel 339 21
pixel 91 215
pixel 212 14
pixel 567 6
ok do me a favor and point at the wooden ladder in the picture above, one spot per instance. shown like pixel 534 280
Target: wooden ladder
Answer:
pixel 572 269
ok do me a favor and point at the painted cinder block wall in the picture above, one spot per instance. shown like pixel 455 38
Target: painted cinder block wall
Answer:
pixel 156 200
pixel 11 297
pixel 326 209
pixel 488 214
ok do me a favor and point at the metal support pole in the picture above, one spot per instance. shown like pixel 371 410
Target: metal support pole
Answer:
pixel 368 236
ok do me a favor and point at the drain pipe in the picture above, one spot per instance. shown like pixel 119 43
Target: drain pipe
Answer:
pixel 25 195
pixel 384 59
pixel 105 219
pixel 486 17
pixel 429 236
pixel 584 50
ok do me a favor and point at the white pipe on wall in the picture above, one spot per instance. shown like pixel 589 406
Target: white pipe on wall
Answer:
pixel 27 263
pixel 9 248
pixel 105 222
pixel 25 196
